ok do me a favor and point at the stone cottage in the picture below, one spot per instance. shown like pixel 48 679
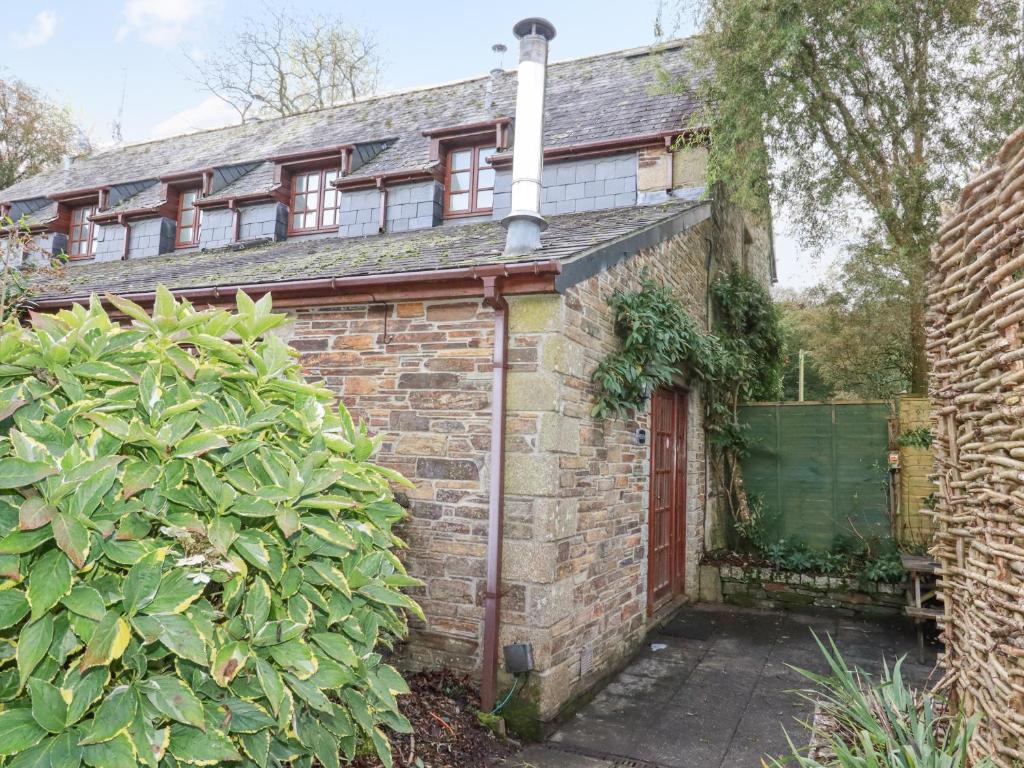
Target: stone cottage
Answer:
pixel 446 255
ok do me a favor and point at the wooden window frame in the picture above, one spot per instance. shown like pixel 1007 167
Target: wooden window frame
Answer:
pixel 197 214
pixel 90 229
pixel 325 187
pixel 475 166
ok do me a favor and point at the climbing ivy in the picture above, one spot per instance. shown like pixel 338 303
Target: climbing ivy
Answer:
pixel 740 360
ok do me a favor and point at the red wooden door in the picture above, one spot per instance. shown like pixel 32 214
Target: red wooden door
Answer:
pixel 667 521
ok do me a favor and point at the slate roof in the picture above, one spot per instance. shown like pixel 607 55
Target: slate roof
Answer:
pixel 609 96
pixel 440 248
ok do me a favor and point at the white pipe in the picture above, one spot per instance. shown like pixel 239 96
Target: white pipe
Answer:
pixel 524 222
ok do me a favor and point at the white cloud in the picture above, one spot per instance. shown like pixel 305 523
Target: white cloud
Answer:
pixel 39 33
pixel 159 22
pixel 211 112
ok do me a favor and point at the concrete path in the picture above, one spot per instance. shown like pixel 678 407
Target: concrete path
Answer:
pixel 719 694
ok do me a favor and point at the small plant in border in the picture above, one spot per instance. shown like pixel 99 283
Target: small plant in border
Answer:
pixel 196 553
pixel 883 724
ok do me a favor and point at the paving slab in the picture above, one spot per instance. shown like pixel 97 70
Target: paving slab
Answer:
pixel 715 687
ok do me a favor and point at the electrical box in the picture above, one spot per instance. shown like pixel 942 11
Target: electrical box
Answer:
pixel 641 436
pixel 518 658
pixel 894 460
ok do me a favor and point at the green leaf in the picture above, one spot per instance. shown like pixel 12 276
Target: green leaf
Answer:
pixel 13 607
pixel 20 542
pixel 257 603
pixel 337 647
pixel 196 747
pixel 296 657
pixel 330 531
pixel 50 581
pixel 277 632
pixel 228 662
pixel 18 473
pixel 35 757
pixel 114 753
pixel 177 632
pixel 272 684
pixel 18 731
pixel 85 601
pixel 139 476
pixel 198 444
pixel 86 689
pixel 171 697
pixel 107 643
pixel 65 752
pixel 142 582
pixel 35 513
pixel 48 706
pixel 119 428
pixel 257 747
pixel 380 594
pixel 175 593
pixel 72 537
pixel 150 743
pixel 383 747
pixel 112 716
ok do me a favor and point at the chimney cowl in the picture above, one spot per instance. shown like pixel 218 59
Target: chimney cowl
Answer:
pixel 534 26
pixel 524 223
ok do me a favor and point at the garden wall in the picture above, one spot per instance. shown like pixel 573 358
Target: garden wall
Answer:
pixel 976 308
pixel 756 587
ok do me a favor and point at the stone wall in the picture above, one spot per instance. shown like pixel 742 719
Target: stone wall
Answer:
pixel 781 590
pixel 576 500
pixel 419 373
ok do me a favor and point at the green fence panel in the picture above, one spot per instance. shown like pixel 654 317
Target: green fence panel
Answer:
pixel 819 468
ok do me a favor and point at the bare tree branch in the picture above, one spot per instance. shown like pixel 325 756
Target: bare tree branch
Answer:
pixel 283 63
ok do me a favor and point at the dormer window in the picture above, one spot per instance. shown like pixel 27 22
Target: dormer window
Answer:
pixel 80 232
pixel 190 218
pixel 470 187
pixel 315 202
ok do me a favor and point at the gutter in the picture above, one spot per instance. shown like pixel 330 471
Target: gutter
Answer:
pixel 603 147
pixel 522 277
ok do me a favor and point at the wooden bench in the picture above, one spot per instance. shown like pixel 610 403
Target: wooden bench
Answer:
pixel 921 570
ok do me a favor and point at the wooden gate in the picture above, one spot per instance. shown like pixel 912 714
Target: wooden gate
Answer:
pixel 667 522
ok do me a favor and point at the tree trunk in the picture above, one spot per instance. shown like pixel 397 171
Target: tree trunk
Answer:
pixel 919 359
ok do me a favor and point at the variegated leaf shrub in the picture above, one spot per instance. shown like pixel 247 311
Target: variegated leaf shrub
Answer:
pixel 196 553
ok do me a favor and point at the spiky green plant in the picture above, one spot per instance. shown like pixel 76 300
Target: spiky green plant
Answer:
pixel 196 553
pixel 884 724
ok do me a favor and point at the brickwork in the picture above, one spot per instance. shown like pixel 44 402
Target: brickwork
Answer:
pixel 576 498
pixel 423 381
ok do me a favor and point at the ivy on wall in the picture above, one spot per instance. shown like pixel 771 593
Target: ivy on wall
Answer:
pixel 739 360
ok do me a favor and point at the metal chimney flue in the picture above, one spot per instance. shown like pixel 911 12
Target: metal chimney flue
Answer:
pixel 524 222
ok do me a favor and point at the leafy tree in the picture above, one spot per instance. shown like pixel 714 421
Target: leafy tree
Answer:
pixel 859 115
pixel 857 341
pixel 34 132
pixel 196 553
pixel 285 63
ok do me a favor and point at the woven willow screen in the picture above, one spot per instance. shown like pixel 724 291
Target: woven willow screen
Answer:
pixel 976 345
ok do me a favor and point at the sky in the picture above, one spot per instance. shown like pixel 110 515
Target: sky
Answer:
pixel 87 55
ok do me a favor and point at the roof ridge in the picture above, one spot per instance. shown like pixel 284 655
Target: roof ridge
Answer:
pixel 653 48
